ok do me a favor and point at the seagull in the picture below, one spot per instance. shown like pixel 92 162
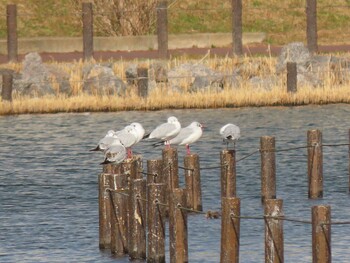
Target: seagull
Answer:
pixel 104 143
pixel 230 133
pixel 116 153
pixel 166 131
pixel 188 135
pixel 140 130
pixel 128 137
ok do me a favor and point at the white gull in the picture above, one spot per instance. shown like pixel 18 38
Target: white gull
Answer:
pixel 230 133
pixel 166 131
pixel 116 152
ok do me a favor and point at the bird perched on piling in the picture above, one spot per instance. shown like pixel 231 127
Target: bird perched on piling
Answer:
pixel 128 137
pixel 230 133
pixel 166 131
pixel 188 135
pixel 116 152
pixel 139 129
pixel 104 143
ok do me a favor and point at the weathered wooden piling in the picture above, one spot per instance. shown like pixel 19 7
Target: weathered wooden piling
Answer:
pixel 292 77
pixel 142 82
pixel 228 173
pixel 6 91
pixel 274 246
pixel 156 223
pixel 12 40
pixel 321 234
pixel 88 38
pixel 137 214
pixel 268 168
pixel 237 27
pixel 178 227
pixel 315 166
pixel 119 195
pixel 311 25
pixel 155 171
pixel 193 182
pixel 104 210
pixel 230 229
pixel 162 29
pixel 171 167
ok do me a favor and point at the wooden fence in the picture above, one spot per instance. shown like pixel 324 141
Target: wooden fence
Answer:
pixel 134 205
pixel 162 29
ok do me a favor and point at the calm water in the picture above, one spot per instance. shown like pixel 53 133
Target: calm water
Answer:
pixel 48 181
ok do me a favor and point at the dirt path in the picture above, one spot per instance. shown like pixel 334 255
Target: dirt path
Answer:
pixel 255 49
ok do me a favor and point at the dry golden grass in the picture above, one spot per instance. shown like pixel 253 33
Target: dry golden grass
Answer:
pixel 163 98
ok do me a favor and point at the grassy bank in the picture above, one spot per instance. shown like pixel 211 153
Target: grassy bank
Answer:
pixel 334 90
pixel 188 16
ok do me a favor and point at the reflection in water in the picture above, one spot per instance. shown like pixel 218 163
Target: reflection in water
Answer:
pixel 48 181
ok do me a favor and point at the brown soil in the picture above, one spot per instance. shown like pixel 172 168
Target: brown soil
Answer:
pixel 256 49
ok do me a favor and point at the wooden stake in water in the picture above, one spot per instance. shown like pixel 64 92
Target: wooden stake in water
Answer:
pixel 156 223
pixel 155 171
pixel 178 227
pixel 193 182
pixel 268 168
pixel 104 211
pixel 274 246
pixel 230 230
pixel 321 234
pixel 228 173
pixel 315 166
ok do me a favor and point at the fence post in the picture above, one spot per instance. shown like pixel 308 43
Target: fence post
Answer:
pixel 237 27
pixel 162 29
pixel 268 168
pixel 104 205
pixel 178 226
pixel 315 166
pixel 230 229
pixel 274 247
pixel 142 82
pixel 228 173
pixel 171 168
pixel 119 211
pixel 311 25
pixel 6 92
pixel 88 46
pixel 155 171
pixel 156 223
pixel 292 77
pixel 193 182
pixel 321 234
pixel 137 214
pixel 12 41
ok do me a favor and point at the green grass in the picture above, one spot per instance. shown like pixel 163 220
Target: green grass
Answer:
pixel 283 21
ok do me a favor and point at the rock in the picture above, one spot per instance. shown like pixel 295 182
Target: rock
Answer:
pixel 100 80
pixel 264 83
pixel 160 70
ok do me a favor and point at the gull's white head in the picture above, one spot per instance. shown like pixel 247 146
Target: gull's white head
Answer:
pixel 172 119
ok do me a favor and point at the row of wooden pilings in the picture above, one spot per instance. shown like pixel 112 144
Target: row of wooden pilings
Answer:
pixel 133 209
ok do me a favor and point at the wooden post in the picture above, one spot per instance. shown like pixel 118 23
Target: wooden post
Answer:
pixel 178 227
pixel 171 168
pixel 311 25
pixel 137 228
pixel 155 171
pixel 156 223
pixel 321 234
pixel 292 77
pixel 6 92
pixel 230 229
pixel 268 168
pixel 274 247
pixel 142 82
pixel 228 173
pixel 193 182
pixel 88 46
pixel 237 27
pixel 12 41
pixel 119 196
pixel 104 211
pixel 162 29
pixel 315 166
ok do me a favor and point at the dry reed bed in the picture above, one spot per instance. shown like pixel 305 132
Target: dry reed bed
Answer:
pixel 163 98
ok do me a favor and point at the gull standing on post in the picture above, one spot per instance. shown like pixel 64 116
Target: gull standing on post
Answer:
pixel 116 153
pixel 104 143
pixel 128 137
pixel 230 133
pixel 166 131
pixel 188 135
pixel 139 129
